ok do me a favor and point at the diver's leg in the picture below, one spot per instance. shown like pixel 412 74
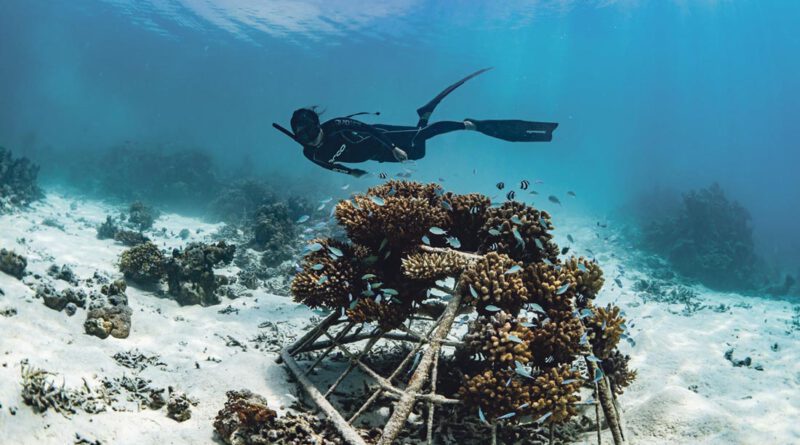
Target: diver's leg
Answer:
pixel 435 129
pixel 514 130
pixel 424 112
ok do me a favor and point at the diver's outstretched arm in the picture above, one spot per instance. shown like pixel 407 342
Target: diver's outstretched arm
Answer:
pixel 335 167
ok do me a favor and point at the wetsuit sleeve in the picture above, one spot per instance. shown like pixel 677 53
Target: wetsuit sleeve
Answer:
pixel 332 166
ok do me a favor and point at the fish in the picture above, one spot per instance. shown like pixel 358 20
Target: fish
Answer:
pixel 494 232
pixel 598 375
pixel 549 359
pixel 336 251
pixel 524 184
pixel 538 243
pixel 562 289
pixel 568 381
pixel 314 247
pixel 508 382
pixel 500 185
pixel 493 246
pixel 515 219
pixel 527 324
pixel 564 250
pixel 544 417
pixel 388 253
pixel 389 291
pixel 533 192
pixel 378 298
pixel 481 416
pixel 383 244
pixel 492 308
pixel 437 230
pixel 570 239
pixel 513 269
pixel 441 179
pixel 368 276
pixel 426 240
pixel 302 219
pixel 524 405
pixel 322 279
pixel 510 195
pixel 447 205
pixel 584 338
pixel 602 226
pixel 589 251
pixel 553 199
pixel 593 359
pixel 547 261
pixel 514 338
pixel 583 268
pixel 321 206
pixel 619 282
pixel 518 237
pixel 378 200
pixel 317 266
pixel 346 186
pixel 535 308
pixel 586 312
pixel 453 242
pixel 508 415
pixel 473 210
pixel 326 200
pixel 571 193
pixel 538 181
pixel 382 175
pixel 473 292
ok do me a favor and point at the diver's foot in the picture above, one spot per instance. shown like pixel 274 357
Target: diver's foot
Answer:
pixel 470 125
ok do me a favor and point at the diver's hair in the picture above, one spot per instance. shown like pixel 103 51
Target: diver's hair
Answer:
pixel 304 116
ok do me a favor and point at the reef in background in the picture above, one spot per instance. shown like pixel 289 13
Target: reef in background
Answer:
pixel 18 186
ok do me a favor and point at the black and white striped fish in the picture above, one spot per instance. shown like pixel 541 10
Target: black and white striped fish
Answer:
pixel 524 184
pixel 501 185
pixel 511 194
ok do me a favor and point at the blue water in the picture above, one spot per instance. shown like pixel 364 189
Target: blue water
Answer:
pixel 674 94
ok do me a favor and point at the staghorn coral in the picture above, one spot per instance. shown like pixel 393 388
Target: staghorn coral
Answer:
pixel 605 326
pixel 400 218
pixel 500 338
pixel 588 276
pixel 388 314
pixel 615 366
pixel 519 231
pixel 143 263
pixel 493 281
pixel 467 216
pixel 13 263
pixel 496 393
pixel 190 272
pixel 555 393
pixel 431 266
pixel 551 286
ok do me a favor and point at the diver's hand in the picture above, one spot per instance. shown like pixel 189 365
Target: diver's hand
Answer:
pixel 399 154
pixel 357 173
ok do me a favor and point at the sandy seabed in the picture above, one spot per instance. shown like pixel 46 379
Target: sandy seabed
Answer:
pixel 686 392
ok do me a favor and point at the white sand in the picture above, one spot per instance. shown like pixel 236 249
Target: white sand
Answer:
pixel 673 352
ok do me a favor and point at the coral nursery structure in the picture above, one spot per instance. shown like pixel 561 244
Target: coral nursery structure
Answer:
pixel 530 334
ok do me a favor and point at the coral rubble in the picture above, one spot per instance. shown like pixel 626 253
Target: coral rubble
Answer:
pixel 12 263
pixel 110 315
pixel 143 263
pixel 190 272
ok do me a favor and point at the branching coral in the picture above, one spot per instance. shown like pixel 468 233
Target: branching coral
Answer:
pixel 494 280
pixel 616 367
pixel 519 231
pixel 500 340
pixel 328 280
pixel 143 263
pixel 605 326
pixel 467 216
pixel 433 265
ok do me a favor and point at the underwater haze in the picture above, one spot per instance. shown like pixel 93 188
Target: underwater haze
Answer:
pixel 609 201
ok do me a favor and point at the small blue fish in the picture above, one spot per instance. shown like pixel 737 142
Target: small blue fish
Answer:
pixel 619 282
pixel 447 206
pixel 437 230
pixel 473 292
pixel 582 268
pixel 547 261
pixel 507 416
pixel 378 298
pixel 586 313
pixel 514 338
pixel 513 269
pixel 383 244
pixel 321 206
pixel 367 276
pixel 584 338
pixel 592 358
pixel 417 357
pixel 314 247
pixel 426 240
pixel 518 237
pixel 378 200
pixel 367 293
pixel 326 200
pixel 538 243
pixel 322 279
pixel 346 186
pixel 494 232
pixel 568 381
pixel 453 242
pixel 523 406
pixel 388 253
pixel 562 289
pixel 481 416
pixel 492 308
pixel 335 251
pixel 598 375
pixel 515 219
pixel 317 266
pixel 544 417
pixel 302 219
pixel 535 308
pixel 571 193
pixel 527 324
pixel 553 199
pixel 569 238
pixel 389 291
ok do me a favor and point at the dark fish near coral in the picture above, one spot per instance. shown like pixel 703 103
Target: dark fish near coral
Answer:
pixel 382 175
pixel 619 282
pixel 601 225
pixel 493 246
pixel 510 195
pixel 569 238
pixel 533 192
pixel 553 199
pixel 501 185
pixel 524 184
pixel 571 193
pixel 564 250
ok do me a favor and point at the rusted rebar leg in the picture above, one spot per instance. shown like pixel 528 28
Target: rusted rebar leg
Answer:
pixel 403 408
pixel 431 406
pixel 311 335
pixel 607 404
pixel 348 432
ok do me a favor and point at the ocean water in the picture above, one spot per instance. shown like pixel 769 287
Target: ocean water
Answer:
pixel 653 99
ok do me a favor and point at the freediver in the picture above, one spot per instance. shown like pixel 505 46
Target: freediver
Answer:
pixel 345 139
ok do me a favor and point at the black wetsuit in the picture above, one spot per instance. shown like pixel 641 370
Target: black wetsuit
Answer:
pixel 349 140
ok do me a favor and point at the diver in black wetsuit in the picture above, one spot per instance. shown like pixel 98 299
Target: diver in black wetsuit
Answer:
pixel 348 140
